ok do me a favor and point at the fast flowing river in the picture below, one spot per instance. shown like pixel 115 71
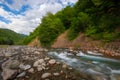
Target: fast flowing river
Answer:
pixel 91 65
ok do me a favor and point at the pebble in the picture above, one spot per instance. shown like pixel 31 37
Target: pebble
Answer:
pixel 47 58
pixel 70 68
pixel 64 66
pixel 52 61
pixel 45 75
pixel 36 52
pixel 38 62
pixel 61 72
pixel 25 67
pixel 57 62
pixel 39 69
pixel 21 74
pixel 31 70
pixel 56 74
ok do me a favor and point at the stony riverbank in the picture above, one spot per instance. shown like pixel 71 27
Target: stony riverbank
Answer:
pixel 110 49
pixel 28 63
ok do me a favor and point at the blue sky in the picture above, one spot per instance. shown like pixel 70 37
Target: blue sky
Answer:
pixel 23 16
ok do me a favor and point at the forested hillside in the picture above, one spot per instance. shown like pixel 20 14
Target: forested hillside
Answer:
pixel 10 37
pixel 98 19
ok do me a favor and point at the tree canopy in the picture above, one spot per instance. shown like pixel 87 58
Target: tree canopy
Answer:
pixel 98 19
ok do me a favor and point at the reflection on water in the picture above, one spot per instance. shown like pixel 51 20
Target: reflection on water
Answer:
pixel 92 64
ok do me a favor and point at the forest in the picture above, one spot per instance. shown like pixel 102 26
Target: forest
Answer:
pixel 98 19
pixel 9 37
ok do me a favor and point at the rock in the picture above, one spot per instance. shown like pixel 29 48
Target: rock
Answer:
pixel 38 62
pixel 21 74
pixel 56 74
pixel 24 67
pixel 15 64
pixel 11 64
pixel 31 70
pixel 39 69
pixel 8 54
pixel 8 67
pixel 52 61
pixel 8 73
pixel 61 72
pixel 47 58
pixel 36 52
pixel 57 62
pixel 70 68
pixel 64 66
pixel 46 75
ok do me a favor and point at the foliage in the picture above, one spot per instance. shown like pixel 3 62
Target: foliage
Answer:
pixel 79 24
pixel 66 15
pixel 10 37
pixel 49 29
pixel 32 36
pixel 98 19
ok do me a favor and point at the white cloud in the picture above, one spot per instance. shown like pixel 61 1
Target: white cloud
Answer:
pixel 32 17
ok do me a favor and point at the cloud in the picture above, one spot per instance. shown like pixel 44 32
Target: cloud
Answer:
pixel 30 18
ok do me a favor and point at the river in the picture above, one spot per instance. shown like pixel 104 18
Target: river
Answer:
pixel 91 65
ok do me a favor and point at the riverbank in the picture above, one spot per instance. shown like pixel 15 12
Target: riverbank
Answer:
pixel 111 49
pixel 30 63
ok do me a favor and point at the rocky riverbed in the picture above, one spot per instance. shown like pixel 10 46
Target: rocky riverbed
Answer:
pixel 28 63
pixel 31 63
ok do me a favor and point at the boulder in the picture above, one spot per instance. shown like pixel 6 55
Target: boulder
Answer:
pixel 11 64
pixel 8 73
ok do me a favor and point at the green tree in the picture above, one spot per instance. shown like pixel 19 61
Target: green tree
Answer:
pixel 49 29
pixel 79 24
pixel 66 16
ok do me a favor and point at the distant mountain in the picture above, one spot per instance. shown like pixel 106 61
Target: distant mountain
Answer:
pixel 9 37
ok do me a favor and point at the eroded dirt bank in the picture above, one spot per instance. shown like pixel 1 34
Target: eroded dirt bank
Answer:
pixel 84 43
pixel 111 49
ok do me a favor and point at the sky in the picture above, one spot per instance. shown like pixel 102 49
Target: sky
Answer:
pixel 23 16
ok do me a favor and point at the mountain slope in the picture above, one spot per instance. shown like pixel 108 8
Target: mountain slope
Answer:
pixel 10 37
